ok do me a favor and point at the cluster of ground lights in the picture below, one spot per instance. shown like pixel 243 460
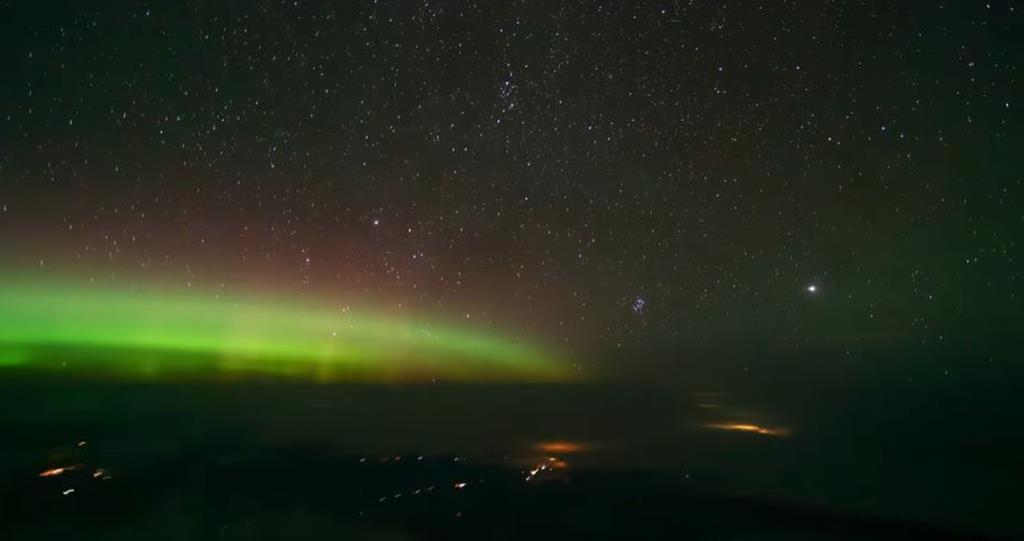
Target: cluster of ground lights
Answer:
pixel 156 334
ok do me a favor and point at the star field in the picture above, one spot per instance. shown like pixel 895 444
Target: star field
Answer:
pixel 609 177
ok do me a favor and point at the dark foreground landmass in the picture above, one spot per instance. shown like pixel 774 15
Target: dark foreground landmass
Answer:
pixel 300 493
pixel 269 461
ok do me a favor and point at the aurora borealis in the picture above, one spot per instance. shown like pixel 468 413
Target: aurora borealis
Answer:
pixel 162 335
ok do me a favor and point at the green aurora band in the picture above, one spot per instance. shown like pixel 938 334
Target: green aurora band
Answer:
pixel 155 335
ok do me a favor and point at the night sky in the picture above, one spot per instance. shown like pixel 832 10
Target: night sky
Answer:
pixel 701 269
pixel 620 181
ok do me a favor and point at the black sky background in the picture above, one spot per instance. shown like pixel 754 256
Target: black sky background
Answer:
pixel 651 186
